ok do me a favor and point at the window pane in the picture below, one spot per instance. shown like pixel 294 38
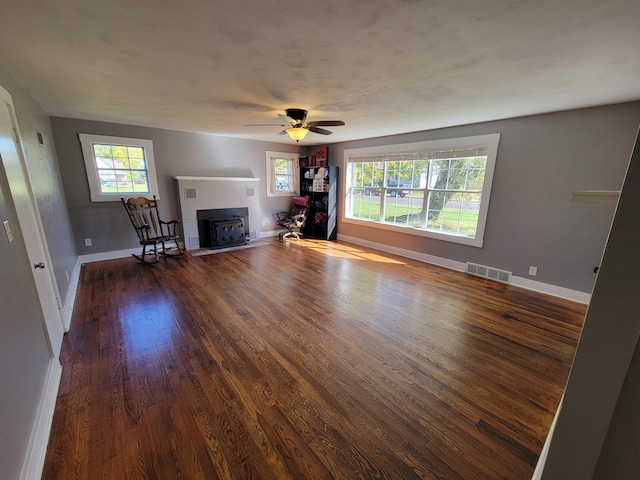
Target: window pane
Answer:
pixel 123 181
pixel 365 205
pixel 140 182
pixel 107 181
pixel 283 171
pixel 121 169
pixel 102 154
pixel 281 166
pixel 454 213
pixel 404 209
pixel 136 152
pixel 283 183
pixel 119 152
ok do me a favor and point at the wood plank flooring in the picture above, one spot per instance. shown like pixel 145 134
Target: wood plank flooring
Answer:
pixel 306 360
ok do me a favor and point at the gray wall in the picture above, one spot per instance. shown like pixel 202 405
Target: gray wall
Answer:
pixel 541 160
pixel 176 154
pixel 24 350
pixel 45 181
pixel 598 427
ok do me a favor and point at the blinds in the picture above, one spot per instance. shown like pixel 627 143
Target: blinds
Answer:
pixel 478 151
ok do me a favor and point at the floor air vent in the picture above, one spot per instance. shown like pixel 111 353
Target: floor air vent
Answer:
pixel 488 272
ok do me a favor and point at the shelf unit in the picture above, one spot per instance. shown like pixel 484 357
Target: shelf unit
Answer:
pixel 320 184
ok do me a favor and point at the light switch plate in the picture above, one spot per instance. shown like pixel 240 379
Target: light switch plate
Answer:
pixel 7 229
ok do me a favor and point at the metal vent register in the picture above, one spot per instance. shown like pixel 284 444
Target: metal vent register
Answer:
pixel 489 272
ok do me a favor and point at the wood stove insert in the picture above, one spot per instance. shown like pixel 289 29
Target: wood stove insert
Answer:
pixel 223 227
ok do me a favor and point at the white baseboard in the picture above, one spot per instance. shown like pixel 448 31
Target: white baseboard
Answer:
pixel 423 257
pixel 70 299
pixel 521 282
pixel 98 257
pixel 271 233
pixel 554 290
pixel 37 450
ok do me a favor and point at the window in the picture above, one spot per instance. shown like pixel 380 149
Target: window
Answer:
pixel 118 167
pixel 438 189
pixel 283 174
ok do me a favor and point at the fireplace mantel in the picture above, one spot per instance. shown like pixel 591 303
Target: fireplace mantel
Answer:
pixel 206 193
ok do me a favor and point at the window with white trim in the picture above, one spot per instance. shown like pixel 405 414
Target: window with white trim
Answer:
pixel 283 174
pixel 118 167
pixel 438 189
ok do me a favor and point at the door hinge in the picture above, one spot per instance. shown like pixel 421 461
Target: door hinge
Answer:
pixel 59 304
pixel 15 134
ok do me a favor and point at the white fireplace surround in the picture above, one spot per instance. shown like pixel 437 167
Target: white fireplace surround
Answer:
pixel 204 193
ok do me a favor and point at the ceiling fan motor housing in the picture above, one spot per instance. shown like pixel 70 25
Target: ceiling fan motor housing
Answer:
pixel 297 114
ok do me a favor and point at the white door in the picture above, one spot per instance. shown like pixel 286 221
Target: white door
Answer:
pixel 27 210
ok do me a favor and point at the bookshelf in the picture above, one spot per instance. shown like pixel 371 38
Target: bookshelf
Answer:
pixel 319 181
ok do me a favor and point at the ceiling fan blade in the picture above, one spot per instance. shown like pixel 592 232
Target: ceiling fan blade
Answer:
pixel 319 130
pixel 327 123
pixel 265 125
pixel 287 119
pixel 283 132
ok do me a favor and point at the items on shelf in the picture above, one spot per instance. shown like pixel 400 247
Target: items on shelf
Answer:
pixel 321 156
pixel 319 159
pixel 318 181
pixel 320 184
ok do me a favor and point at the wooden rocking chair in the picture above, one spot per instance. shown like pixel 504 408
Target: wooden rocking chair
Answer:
pixel 151 230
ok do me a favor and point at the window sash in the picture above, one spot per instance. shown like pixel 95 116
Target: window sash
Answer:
pixel 118 167
pixel 283 174
pixel 466 190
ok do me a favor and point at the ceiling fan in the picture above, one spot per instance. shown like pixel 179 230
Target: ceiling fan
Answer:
pixel 297 125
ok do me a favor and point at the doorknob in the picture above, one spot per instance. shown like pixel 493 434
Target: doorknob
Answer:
pixel 38 265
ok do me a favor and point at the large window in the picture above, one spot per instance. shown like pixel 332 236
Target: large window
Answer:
pixel 283 174
pixel 118 167
pixel 437 189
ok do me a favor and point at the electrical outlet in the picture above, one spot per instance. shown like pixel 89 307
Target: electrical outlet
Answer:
pixel 533 271
pixel 87 242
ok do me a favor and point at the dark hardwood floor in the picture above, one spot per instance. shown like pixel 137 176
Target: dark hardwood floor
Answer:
pixel 306 360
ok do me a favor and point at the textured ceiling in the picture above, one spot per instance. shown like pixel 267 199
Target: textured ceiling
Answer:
pixel 384 67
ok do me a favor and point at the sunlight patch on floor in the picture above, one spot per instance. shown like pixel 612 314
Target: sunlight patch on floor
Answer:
pixel 340 250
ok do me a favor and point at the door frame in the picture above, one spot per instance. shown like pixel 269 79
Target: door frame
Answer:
pixel 34 239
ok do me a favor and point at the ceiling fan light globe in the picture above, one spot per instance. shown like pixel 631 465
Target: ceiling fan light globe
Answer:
pixel 297 133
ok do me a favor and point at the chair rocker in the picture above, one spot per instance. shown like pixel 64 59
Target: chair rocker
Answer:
pixel 153 232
